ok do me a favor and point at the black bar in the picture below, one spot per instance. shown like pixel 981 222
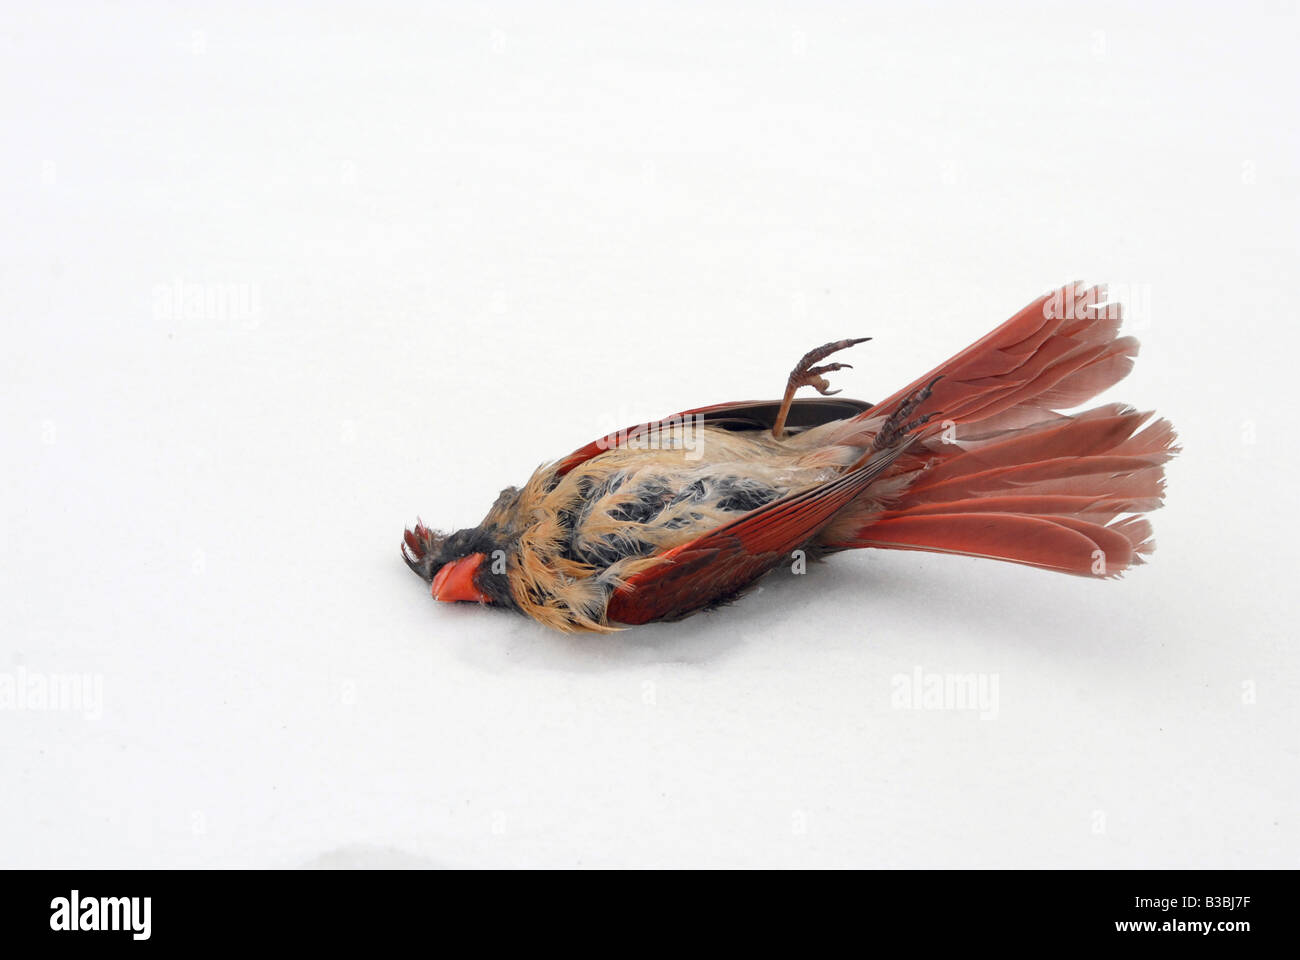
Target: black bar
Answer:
pixel 566 910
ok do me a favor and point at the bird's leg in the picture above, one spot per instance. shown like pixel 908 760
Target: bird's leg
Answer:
pixel 894 432
pixel 806 375
pixel 896 425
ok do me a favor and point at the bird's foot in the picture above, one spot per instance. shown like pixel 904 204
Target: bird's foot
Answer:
pixel 807 374
pixel 897 426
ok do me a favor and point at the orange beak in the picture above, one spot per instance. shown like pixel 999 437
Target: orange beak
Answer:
pixel 455 581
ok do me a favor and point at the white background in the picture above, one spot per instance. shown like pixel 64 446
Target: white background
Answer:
pixel 461 244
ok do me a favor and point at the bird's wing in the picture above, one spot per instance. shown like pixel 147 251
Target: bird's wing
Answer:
pixel 741 415
pixel 1056 353
pixel 719 564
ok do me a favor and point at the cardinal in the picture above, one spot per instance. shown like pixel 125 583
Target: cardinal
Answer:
pixel 974 458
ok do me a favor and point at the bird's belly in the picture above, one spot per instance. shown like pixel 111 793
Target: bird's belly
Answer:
pixel 626 504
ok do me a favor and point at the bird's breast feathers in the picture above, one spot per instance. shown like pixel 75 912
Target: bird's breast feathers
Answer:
pixel 602 521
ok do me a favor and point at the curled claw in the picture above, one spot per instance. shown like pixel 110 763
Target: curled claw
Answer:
pixel 805 374
pixel 897 426
pixel 813 377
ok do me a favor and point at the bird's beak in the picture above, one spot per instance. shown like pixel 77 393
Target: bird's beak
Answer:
pixel 455 581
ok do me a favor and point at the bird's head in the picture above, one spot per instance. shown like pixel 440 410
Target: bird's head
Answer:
pixel 468 565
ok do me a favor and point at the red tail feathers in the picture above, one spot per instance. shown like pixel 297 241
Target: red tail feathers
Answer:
pixel 1005 477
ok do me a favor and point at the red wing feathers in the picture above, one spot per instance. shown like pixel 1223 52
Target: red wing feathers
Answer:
pixel 718 564
pixel 1050 496
pixel 1055 353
